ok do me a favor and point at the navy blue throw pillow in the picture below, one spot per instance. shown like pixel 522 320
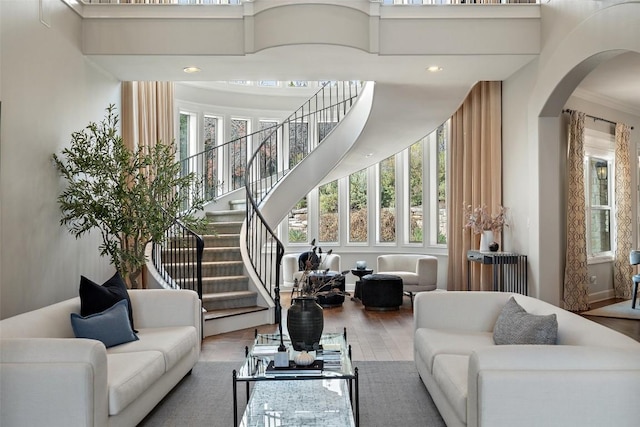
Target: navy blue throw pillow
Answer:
pixel 95 298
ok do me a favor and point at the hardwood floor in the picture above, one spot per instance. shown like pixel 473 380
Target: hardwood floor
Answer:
pixel 373 335
pixel 628 327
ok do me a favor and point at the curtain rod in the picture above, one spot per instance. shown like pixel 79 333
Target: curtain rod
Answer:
pixel 592 117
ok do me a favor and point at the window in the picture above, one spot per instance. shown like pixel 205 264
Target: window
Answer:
pixel 268 156
pixel 188 138
pixel 324 128
pixel 329 220
pixel 599 200
pixel 238 151
pixel 442 140
pixel 298 222
pixel 211 130
pixel 358 213
pixel 415 192
pixel 298 142
pixel 387 193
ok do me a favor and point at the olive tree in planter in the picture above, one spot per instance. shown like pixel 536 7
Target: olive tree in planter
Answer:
pixel 130 197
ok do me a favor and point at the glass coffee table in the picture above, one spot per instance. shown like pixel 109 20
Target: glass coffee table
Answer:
pixel 327 397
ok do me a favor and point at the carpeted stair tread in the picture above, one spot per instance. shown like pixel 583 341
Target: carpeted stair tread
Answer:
pixel 229 300
pixel 226 295
pixel 228 312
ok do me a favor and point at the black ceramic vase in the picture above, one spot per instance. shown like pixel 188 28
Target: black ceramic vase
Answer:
pixel 305 323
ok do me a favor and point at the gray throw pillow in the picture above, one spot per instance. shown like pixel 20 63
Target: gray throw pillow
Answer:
pixel 516 326
pixel 111 326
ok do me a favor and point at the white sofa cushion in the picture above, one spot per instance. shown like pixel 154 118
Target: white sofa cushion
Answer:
pixel 451 374
pixel 431 342
pixel 172 342
pixel 129 374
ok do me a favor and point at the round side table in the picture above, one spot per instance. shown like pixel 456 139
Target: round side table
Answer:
pixel 359 273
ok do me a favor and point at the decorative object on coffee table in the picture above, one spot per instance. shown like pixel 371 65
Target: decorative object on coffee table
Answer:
pixel 305 322
pixel 304 358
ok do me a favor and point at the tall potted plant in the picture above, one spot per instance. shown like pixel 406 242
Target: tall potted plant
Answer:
pixel 130 197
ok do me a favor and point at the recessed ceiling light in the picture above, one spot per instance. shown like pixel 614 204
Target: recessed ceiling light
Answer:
pixel 434 69
pixel 368 155
pixel 190 70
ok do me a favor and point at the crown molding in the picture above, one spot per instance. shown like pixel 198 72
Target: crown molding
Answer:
pixel 606 101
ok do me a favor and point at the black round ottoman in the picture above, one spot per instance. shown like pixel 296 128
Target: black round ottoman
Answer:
pixel 381 292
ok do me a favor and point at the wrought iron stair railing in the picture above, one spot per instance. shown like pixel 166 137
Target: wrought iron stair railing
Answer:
pixel 224 168
pixel 269 164
pixel 178 258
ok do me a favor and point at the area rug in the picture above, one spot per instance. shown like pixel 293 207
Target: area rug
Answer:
pixel 621 310
pixel 391 394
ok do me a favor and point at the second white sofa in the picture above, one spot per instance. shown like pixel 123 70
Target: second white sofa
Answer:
pixel 590 378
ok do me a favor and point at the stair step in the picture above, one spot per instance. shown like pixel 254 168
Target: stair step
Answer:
pixel 224 240
pixel 224 227
pixel 224 284
pixel 222 268
pixel 240 204
pixel 229 312
pixel 217 269
pixel 227 216
pixel 221 254
pixel 226 300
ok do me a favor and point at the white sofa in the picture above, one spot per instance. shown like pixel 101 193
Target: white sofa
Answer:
pixel 50 378
pixel 419 272
pixel 591 378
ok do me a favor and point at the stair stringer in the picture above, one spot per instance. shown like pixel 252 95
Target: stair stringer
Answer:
pixel 317 164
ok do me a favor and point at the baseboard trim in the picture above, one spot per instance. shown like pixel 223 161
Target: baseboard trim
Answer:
pixel 601 296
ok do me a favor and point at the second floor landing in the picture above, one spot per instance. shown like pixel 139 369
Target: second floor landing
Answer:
pixel 312 40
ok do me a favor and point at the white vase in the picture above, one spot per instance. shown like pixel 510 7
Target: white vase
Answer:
pixel 486 238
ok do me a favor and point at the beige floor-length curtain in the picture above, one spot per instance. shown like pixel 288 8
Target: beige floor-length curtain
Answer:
pixel 475 178
pixel 147 113
pixel 622 270
pixel 147 117
pixel 576 275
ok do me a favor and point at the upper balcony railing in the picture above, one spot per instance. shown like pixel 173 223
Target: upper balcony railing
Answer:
pixel 384 2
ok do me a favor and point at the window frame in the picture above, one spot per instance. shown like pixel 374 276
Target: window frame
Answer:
pixel 601 146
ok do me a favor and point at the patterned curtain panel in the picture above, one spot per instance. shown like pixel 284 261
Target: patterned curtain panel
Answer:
pixel 576 275
pixel 475 179
pixel 622 270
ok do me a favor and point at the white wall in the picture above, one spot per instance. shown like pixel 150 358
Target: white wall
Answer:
pixel 579 35
pixel 48 91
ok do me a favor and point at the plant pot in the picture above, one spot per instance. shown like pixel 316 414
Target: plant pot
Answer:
pixel 305 322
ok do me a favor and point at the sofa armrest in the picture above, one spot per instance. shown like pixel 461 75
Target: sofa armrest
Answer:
pixel 427 270
pixel 461 311
pixel 157 308
pixel 53 381
pixel 552 385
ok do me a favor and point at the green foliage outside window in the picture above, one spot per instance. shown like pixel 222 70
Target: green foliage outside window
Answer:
pixel 388 200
